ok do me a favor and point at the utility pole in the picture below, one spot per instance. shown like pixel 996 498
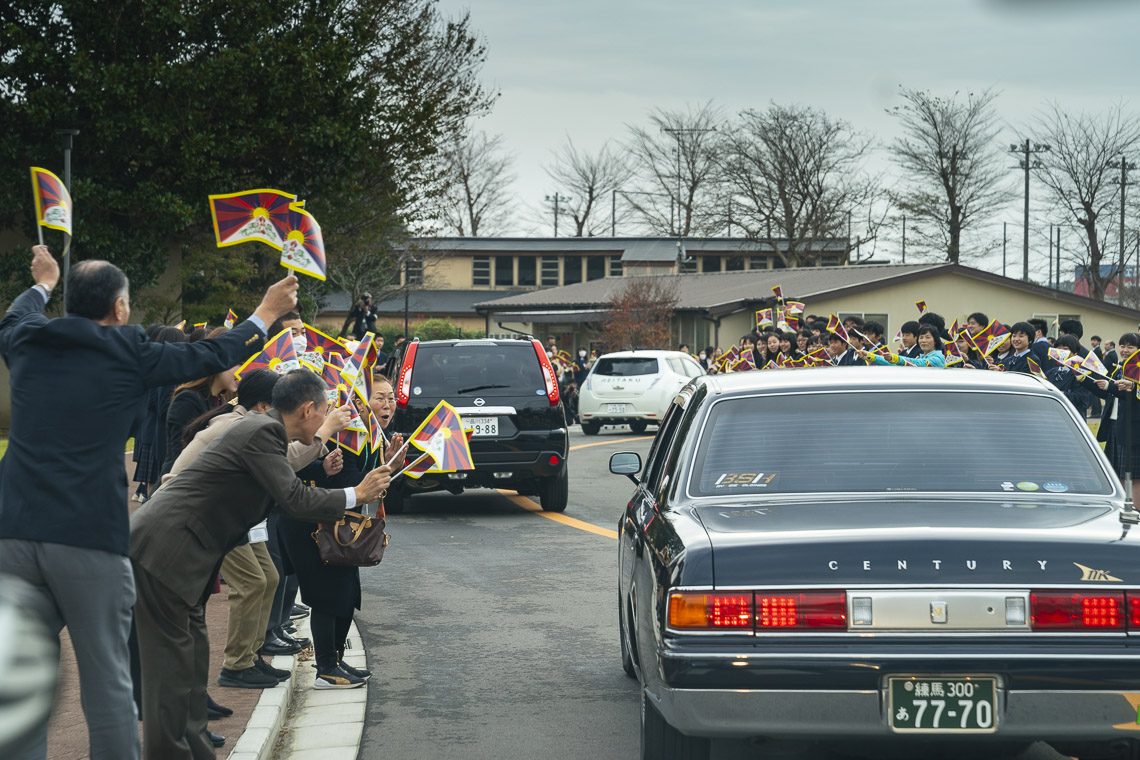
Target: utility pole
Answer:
pixel 904 240
pixel 1004 242
pixel 677 133
pixel 1058 249
pixel 556 199
pixel 1125 166
pixel 1050 280
pixel 1026 149
pixel 68 136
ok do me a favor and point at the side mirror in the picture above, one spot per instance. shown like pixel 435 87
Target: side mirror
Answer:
pixel 626 463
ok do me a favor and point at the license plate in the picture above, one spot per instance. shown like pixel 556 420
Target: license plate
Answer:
pixel 944 704
pixel 483 426
pixel 615 408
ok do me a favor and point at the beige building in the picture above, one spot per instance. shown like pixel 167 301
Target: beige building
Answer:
pixel 717 309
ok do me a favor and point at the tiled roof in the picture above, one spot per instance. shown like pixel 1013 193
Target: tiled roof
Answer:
pixel 635 249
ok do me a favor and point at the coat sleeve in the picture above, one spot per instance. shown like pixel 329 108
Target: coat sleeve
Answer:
pixel 264 454
pixel 933 359
pixel 28 308
pixel 175 363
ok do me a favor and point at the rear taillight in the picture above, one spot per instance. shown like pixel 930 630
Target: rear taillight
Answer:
pixel 548 375
pixel 404 379
pixel 1133 611
pixel 690 611
pixel 801 610
pixel 1078 611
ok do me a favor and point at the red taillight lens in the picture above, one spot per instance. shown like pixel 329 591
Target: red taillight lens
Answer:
pixel 555 460
pixel 1077 611
pixel 790 610
pixel 1133 611
pixel 697 611
pixel 548 375
pixel 404 379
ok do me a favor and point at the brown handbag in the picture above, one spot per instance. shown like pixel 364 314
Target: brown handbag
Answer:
pixel 355 540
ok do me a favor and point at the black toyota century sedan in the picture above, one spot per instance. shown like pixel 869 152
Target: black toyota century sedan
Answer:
pixel 930 560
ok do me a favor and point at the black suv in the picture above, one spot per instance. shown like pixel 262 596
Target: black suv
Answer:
pixel 507 392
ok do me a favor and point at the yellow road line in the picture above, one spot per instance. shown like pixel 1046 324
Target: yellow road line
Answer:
pixel 530 506
pixel 615 442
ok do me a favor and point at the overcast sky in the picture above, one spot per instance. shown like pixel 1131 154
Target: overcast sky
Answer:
pixel 588 68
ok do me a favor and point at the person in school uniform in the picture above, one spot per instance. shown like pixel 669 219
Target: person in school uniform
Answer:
pixel 1119 405
pixel 908 336
pixel 1016 359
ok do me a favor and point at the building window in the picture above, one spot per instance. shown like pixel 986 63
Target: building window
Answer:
pixel 527 268
pixel 615 266
pixel 550 271
pixel 505 270
pixel 710 263
pixel 414 271
pixel 481 270
pixel 757 262
pixel 595 267
pixel 572 273
pixel 734 264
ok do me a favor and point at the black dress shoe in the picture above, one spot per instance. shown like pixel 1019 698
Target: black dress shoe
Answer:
pixel 215 711
pixel 275 646
pixel 299 611
pixel 269 670
pixel 249 678
pixel 300 641
pixel 289 628
pixel 215 739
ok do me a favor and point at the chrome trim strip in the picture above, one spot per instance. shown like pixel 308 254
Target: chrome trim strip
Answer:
pixel 1076 586
pixel 763 656
pixel 485 411
pixel 1117 490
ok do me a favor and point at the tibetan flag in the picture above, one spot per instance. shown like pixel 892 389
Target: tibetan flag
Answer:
pixel 793 312
pixel 1060 355
pixel 200 325
pixel 303 246
pixel 746 363
pixel 375 432
pixel 771 365
pixel 954 328
pixel 921 306
pixel 325 344
pixel 1091 364
pixel 1034 367
pixel 251 215
pixel 442 438
pixel 53 202
pixel 953 360
pixel 779 293
pixel 181 325
pixel 278 355
pixel 1130 368
pixel 764 319
pixel 727 359
pixel 992 337
pixel 312 360
pixel 356 420
pixel 231 319
pixel 836 327
pixel 358 367
pixel 351 440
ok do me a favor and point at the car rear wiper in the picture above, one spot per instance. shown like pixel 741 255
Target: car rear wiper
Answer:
pixel 480 388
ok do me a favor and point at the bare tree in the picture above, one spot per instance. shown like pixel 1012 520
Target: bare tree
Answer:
pixel 476 199
pixel 954 173
pixel 675 161
pixel 590 180
pixel 796 173
pixel 641 314
pixel 1079 172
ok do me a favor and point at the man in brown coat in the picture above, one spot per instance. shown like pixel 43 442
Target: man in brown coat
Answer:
pixel 179 537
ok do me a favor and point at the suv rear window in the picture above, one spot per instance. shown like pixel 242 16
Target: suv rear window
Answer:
pixel 626 366
pixel 899 441
pixel 484 370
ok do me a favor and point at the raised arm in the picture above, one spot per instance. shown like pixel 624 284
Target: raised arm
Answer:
pixel 29 305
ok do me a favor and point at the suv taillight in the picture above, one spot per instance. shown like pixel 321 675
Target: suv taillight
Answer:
pixel 548 375
pixel 404 379
pixel 1077 611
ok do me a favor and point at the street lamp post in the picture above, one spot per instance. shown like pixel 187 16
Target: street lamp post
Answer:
pixel 1125 166
pixel 68 136
pixel 1026 149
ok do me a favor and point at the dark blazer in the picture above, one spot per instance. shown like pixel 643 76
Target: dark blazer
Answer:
pixel 181 534
pixel 77 387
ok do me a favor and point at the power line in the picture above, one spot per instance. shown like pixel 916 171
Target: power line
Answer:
pixel 1026 149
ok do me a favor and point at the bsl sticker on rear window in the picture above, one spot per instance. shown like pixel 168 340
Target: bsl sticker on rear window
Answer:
pixel 745 480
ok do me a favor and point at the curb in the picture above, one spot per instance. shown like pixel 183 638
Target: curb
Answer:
pixel 326 725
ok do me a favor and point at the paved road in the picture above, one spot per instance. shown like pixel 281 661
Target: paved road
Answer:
pixel 492 630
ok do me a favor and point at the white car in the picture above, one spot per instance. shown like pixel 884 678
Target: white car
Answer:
pixel 633 388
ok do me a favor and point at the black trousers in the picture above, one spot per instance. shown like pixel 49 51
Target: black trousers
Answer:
pixel 174 650
pixel 286 595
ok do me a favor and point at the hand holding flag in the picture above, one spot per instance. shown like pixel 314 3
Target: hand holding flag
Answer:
pixel 53 202
pixel 278 355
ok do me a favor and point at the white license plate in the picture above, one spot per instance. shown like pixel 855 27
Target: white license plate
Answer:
pixel 483 426
pixel 949 704
pixel 615 408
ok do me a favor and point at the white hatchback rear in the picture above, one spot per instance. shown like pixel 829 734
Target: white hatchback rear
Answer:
pixel 633 388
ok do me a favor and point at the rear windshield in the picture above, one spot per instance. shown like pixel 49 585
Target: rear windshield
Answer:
pixel 486 370
pixel 626 366
pixel 905 441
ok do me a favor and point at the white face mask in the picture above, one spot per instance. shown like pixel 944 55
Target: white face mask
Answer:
pixel 581 354
pixel 701 355
pixel 300 344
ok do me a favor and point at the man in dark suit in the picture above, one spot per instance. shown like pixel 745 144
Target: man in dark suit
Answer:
pixel 179 537
pixel 78 383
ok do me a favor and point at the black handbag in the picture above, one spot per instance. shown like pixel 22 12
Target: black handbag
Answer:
pixel 355 540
